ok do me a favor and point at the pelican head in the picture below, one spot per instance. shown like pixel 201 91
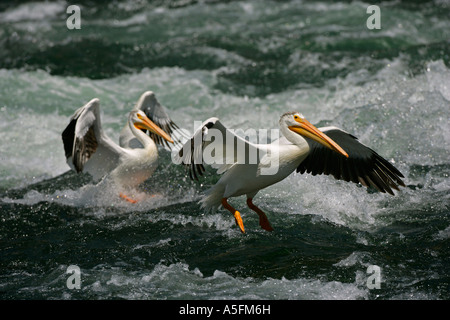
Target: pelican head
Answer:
pixel 140 121
pixel 296 122
pixel 147 101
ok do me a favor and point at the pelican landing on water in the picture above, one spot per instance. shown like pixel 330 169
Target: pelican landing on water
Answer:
pixel 303 148
pixel 89 149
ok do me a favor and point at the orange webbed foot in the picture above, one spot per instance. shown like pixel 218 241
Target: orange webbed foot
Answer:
pixel 125 197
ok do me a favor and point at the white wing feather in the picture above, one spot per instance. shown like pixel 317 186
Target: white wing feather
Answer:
pixel 92 151
pixel 217 146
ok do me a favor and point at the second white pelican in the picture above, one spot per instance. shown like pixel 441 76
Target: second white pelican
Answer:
pixel 89 149
pixel 303 148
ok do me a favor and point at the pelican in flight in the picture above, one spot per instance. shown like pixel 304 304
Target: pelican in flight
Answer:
pixel 303 148
pixel 89 149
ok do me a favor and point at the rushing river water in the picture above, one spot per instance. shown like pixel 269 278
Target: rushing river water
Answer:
pixel 246 62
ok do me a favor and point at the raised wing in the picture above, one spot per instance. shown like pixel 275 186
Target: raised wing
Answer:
pixel 85 145
pixel 157 113
pixel 363 165
pixel 217 146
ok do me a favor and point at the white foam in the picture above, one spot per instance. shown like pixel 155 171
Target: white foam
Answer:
pixel 438 77
pixel 34 150
pixel 178 281
pixel 104 195
pixel 355 258
pixel 442 234
pixel 335 201
pixel 33 11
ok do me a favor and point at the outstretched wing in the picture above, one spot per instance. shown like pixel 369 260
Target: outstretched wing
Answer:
pixel 86 147
pixel 363 165
pixel 215 145
pixel 157 113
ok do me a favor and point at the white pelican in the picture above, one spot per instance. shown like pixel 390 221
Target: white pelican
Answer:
pixel 88 149
pixel 303 148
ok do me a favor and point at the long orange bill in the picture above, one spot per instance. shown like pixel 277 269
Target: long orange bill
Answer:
pixel 148 124
pixel 306 129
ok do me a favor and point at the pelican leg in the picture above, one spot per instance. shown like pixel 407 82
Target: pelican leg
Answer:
pixel 263 221
pixel 125 197
pixel 235 213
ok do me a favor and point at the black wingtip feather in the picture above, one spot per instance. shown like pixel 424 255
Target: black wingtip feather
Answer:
pixel 68 137
pixel 363 166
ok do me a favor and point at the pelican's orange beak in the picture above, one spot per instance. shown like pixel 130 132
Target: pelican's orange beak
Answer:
pixel 149 125
pixel 306 129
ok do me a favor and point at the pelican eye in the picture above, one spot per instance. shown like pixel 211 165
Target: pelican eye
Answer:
pixel 140 116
